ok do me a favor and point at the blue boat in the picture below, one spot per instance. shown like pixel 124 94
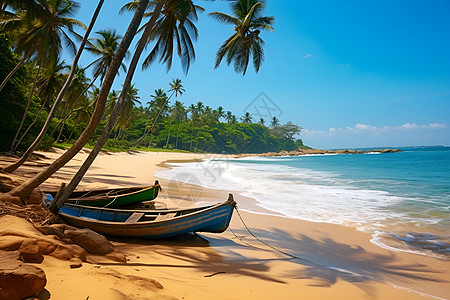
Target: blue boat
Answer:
pixel 148 224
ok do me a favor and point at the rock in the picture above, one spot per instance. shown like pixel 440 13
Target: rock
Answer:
pixel 78 252
pixel 117 256
pixel 63 252
pixel 75 263
pixel 19 280
pixel 91 241
pixel 10 242
pixel 30 252
pixel 50 230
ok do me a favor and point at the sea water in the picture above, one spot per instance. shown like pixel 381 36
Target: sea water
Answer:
pixel 402 199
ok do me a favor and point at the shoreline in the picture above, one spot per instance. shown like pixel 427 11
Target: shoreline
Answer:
pixel 357 268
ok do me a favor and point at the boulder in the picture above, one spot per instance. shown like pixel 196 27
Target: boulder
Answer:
pixel 75 263
pixel 63 252
pixel 116 256
pixel 91 241
pixel 17 279
pixel 30 252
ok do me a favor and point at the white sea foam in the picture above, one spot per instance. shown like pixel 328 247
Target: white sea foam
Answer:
pixel 296 193
pixel 318 196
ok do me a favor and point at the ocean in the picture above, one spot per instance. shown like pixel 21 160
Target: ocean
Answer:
pixel 401 199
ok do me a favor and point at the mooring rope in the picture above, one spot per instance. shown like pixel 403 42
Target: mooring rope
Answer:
pixel 279 250
pixel 259 240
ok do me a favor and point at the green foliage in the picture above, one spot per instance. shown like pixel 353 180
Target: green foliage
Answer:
pixel 14 96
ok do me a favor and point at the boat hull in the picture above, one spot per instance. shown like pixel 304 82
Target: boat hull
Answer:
pixel 215 218
pixel 123 197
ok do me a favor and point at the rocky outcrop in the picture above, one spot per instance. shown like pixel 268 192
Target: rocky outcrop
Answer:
pixel 59 240
pixel 17 279
pixel 91 241
pixel 311 151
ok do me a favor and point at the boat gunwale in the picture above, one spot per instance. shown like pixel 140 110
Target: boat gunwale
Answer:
pixel 198 210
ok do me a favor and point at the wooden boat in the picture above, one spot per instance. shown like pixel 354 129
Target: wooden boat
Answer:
pixel 148 224
pixel 117 197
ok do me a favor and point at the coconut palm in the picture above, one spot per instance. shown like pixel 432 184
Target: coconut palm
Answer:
pixel 124 119
pixel 42 33
pixel 25 189
pixel 247 118
pixel 176 87
pixel 179 112
pixel 174 26
pixel 245 42
pixel 261 121
pixel 105 47
pixel 49 83
pixel 275 122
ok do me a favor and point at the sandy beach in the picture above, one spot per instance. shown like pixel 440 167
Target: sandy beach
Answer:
pixel 326 261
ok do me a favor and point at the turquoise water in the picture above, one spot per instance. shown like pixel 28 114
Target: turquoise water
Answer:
pixel 402 199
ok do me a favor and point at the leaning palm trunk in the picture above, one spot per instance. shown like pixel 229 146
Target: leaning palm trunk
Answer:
pixel 25 189
pixel 25 113
pixel 58 100
pixel 57 203
pixel 5 81
pixel 30 126
pixel 63 122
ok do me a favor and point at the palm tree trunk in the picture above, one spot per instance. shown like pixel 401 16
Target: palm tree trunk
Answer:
pixel 26 188
pixel 25 113
pixel 73 106
pixel 112 119
pixel 11 168
pixel 178 132
pixel 5 81
pixel 168 135
pixel 31 125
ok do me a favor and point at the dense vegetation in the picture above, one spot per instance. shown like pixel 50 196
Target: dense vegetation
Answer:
pixel 44 100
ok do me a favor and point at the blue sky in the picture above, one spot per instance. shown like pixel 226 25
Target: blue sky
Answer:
pixel 351 73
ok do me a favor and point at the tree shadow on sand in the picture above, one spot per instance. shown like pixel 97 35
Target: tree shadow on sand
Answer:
pixel 326 261
pixel 196 252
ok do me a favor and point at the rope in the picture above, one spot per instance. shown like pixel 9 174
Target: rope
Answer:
pixel 114 199
pixel 277 249
pixel 259 240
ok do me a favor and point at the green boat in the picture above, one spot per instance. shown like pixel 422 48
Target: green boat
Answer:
pixel 117 197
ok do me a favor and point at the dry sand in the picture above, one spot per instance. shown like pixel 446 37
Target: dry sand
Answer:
pixel 333 262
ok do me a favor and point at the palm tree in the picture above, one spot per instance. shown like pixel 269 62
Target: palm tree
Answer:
pixel 229 116
pixel 247 118
pixel 158 106
pixel 176 87
pixel 25 189
pixel 124 118
pixel 248 23
pixel 175 24
pixel 104 136
pixel 50 82
pixel 261 121
pixel 219 113
pixel 275 122
pixel 43 32
pixel 179 111
pixel 104 46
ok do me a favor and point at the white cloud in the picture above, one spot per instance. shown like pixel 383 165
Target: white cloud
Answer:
pixel 365 128
pixel 365 135
pixel 307 55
